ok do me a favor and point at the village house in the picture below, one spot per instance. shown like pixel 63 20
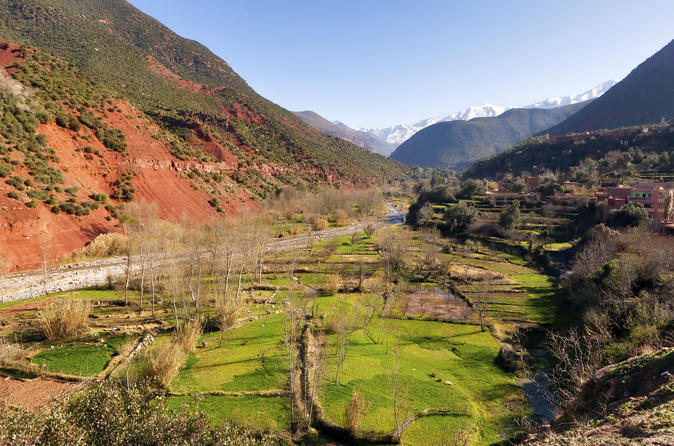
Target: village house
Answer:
pixel 657 199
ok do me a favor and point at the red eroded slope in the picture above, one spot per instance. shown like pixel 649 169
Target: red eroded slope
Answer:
pixel 157 176
pixel 10 56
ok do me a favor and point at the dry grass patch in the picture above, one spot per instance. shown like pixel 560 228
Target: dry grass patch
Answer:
pixel 105 245
pixel 330 284
pixel 187 336
pixel 10 352
pixel 63 318
pixel 161 362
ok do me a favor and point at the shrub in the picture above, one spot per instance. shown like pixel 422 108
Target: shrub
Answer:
pixel 5 169
pixel 63 318
pixel 16 182
pixel 114 139
pixel 631 214
pixel 354 411
pixel 471 188
pixel 188 335
pixel 341 218
pixel 330 284
pixel 111 414
pixel 32 203
pixel 104 245
pixel 13 195
pixel 317 222
pixel 226 313
pixel 74 124
pixel 10 352
pixel 161 362
pixel 510 216
pixel 101 198
pixel 459 217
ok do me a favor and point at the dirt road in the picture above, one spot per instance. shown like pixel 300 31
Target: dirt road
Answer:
pixel 27 284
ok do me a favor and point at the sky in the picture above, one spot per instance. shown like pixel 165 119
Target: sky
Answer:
pixel 372 63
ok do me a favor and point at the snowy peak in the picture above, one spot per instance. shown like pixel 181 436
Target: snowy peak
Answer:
pixel 568 100
pixel 400 133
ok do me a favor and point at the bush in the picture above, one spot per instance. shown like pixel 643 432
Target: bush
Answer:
pixel 104 245
pixel 33 204
pixel 188 335
pixel 341 218
pixel 510 216
pixel 459 217
pixel 317 222
pixel 330 284
pixel 471 188
pixel 10 352
pixel 13 195
pixel 5 169
pixel 74 124
pixel 63 318
pixel 111 414
pixel 160 363
pixel 354 412
pixel 226 314
pixel 631 214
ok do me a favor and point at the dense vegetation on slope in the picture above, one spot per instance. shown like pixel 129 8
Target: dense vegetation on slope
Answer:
pixel 617 153
pixel 646 95
pixel 342 131
pixel 167 75
pixel 457 143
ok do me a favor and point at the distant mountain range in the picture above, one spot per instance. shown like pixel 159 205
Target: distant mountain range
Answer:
pixel 398 134
pixel 385 140
pixel 340 130
pixel 458 143
pixel 645 96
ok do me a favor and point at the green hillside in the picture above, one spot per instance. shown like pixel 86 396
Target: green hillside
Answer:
pixel 646 95
pixel 626 150
pixel 458 143
pixel 182 84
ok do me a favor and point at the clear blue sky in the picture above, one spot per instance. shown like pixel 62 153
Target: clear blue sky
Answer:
pixel 377 63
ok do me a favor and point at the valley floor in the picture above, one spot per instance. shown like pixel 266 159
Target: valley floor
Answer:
pixel 409 354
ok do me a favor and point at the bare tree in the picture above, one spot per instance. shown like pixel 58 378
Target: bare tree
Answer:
pixel 370 304
pixel 44 243
pixel 345 324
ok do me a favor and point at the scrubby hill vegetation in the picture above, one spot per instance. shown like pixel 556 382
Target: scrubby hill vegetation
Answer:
pixel 176 126
pixel 458 143
pixel 643 151
pixel 182 85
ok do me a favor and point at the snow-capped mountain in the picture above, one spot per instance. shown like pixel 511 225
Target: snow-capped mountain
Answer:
pixel 568 100
pixel 398 134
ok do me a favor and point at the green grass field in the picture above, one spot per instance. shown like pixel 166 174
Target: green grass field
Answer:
pixel 251 358
pixel 430 353
pixel 80 358
pixel 257 412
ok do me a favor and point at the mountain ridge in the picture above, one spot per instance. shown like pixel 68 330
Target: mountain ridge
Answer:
pixel 644 96
pixel 399 133
pixel 458 143
pixel 177 126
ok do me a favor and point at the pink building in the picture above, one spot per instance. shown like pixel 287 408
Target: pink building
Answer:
pixel 657 199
